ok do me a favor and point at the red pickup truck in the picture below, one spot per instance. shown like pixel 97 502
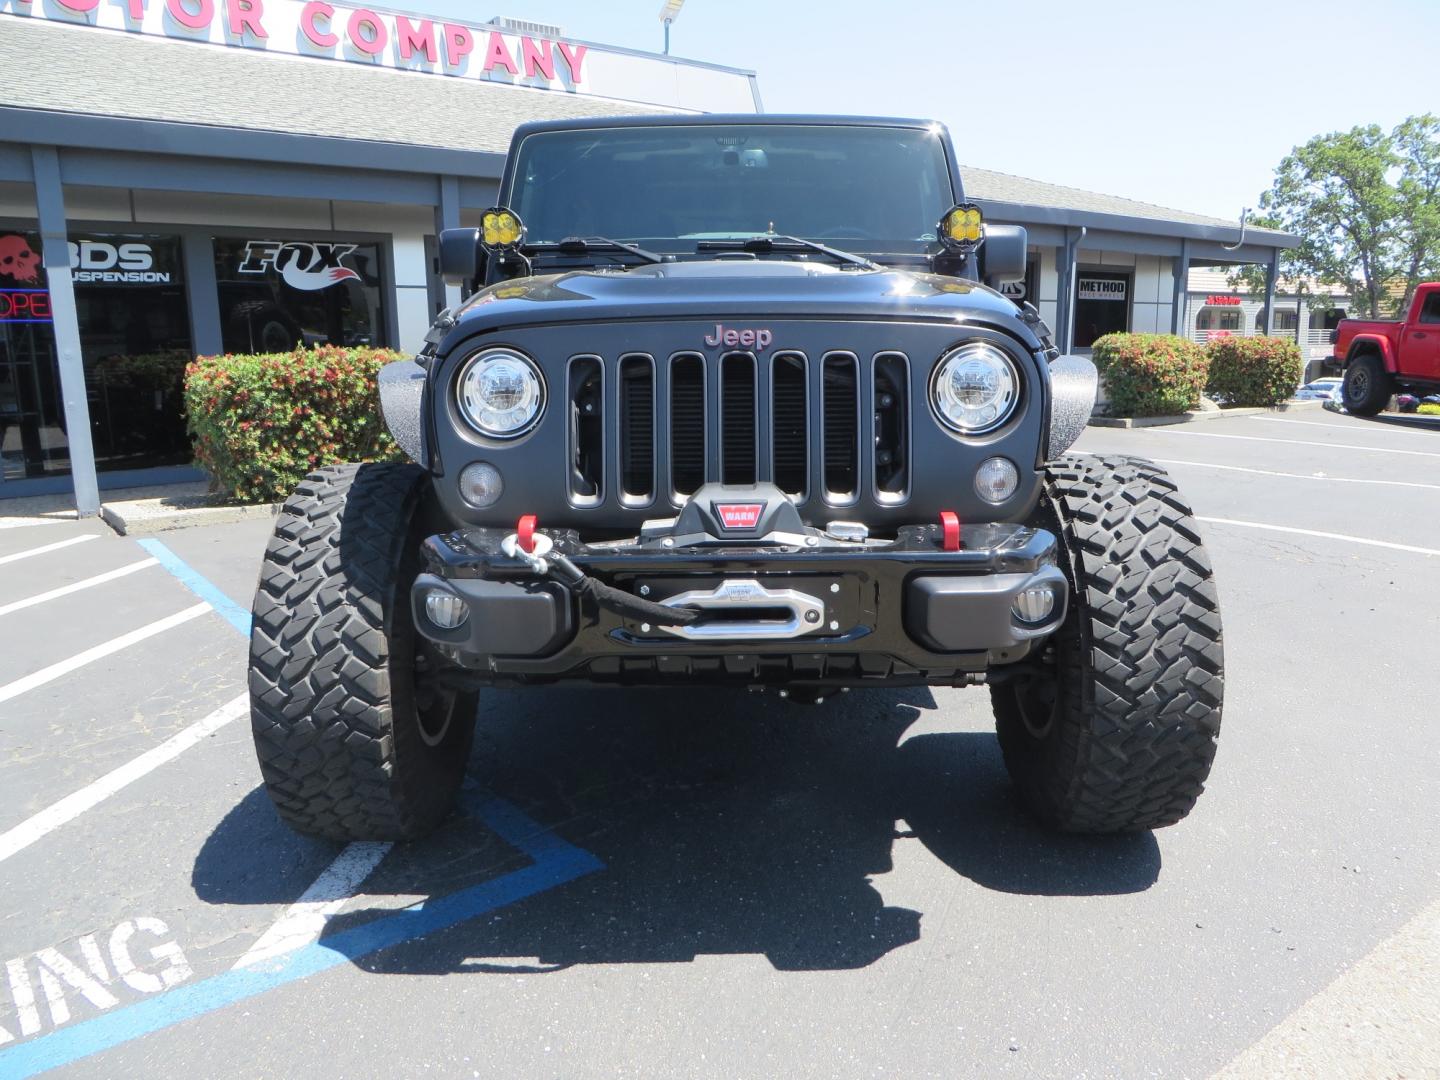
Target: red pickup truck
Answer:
pixel 1385 357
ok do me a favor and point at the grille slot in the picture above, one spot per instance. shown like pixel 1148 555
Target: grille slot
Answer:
pixel 789 424
pixel 840 408
pixel 586 395
pixel 892 427
pixel 687 423
pixel 737 419
pixel 637 428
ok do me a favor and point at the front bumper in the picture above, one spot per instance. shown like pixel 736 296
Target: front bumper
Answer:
pixel 818 612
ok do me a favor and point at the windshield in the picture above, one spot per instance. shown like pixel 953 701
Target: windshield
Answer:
pixel 863 189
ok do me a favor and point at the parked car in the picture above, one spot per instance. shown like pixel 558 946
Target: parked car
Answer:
pixel 1381 358
pixel 1320 390
pixel 800 461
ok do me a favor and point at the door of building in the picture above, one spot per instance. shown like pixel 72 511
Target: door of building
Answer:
pixel 1102 306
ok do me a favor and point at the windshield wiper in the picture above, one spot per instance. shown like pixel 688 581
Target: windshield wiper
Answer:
pixel 585 245
pixel 768 242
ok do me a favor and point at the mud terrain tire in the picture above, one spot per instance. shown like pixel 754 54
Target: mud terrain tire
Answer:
pixel 351 745
pixel 1119 734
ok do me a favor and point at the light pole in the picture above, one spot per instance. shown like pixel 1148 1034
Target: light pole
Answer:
pixel 669 12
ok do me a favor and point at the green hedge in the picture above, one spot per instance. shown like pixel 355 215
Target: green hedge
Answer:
pixel 1150 374
pixel 1254 370
pixel 261 422
pixel 1428 409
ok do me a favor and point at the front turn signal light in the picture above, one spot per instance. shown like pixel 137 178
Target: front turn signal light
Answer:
pixel 501 228
pixel 963 227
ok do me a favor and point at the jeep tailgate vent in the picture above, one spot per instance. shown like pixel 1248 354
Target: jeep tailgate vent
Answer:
pixel 789 423
pixel 892 427
pixel 737 419
pixel 840 404
pixel 637 428
pixel 687 423
pixel 587 431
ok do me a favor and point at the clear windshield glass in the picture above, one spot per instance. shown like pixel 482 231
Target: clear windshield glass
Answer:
pixel 864 189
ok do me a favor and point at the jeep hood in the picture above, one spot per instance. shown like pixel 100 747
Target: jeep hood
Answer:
pixel 729 289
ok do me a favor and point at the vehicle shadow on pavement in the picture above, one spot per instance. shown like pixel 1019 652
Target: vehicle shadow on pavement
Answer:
pixel 727 823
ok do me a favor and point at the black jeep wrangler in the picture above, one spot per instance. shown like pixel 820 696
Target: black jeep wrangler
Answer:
pixel 736 401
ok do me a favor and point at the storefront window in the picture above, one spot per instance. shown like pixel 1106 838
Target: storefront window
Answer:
pixel 134 345
pixel 135 340
pixel 31 434
pixel 1102 306
pixel 1213 322
pixel 277 295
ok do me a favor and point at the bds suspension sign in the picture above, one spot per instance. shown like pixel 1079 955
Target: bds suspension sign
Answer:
pixel 366 35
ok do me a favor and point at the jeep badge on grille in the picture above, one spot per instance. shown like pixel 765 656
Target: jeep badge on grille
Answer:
pixel 750 338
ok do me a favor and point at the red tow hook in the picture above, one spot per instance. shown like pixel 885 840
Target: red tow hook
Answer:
pixel 525 534
pixel 951 525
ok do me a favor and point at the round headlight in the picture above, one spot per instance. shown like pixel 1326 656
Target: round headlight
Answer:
pixel 501 393
pixel 975 388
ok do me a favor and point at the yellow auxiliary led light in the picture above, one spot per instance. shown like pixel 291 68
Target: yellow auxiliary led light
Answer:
pixel 501 228
pixel 963 227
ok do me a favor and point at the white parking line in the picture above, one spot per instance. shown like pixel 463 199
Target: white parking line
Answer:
pixel 114 645
pixel 1322 535
pixel 30 522
pixel 305 919
pixel 1290 442
pixel 1380 1018
pixel 1423 430
pixel 66 590
pixel 1296 476
pixel 48 547
pixel 72 806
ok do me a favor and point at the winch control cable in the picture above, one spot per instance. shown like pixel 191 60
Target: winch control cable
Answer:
pixel 525 544
pixel 618 600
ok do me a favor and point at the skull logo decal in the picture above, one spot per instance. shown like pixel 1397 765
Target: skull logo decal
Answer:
pixel 18 261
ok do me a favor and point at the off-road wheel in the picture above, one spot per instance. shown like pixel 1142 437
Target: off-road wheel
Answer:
pixel 356 739
pixel 1367 387
pixel 1116 733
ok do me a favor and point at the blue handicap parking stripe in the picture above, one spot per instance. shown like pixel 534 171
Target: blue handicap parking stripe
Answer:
pixel 556 862
pixel 202 587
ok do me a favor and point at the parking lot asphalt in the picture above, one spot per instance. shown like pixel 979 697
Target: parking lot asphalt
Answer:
pixel 647 883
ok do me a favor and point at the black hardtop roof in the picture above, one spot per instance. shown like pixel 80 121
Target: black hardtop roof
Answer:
pixel 584 123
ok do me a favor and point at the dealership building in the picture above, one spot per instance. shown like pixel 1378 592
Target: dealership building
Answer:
pixel 182 177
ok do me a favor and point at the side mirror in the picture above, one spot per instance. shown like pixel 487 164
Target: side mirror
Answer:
pixel 1003 255
pixel 459 255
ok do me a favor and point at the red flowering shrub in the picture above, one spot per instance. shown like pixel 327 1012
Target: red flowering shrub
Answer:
pixel 1151 374
pixel 1254 370
pixel 261 422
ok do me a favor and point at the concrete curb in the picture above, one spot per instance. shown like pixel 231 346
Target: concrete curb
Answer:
pixel 139 519
pixel 1197 416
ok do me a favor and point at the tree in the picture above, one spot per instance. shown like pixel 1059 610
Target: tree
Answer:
pixel 1364 204
pixel 1418 142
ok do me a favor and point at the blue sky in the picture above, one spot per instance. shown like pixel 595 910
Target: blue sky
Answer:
pixel 1188 105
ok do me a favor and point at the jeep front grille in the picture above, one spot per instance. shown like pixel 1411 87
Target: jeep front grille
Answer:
pixel 831 430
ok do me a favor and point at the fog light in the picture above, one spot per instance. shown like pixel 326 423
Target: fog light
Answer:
pixel 445 609
pixel 1034 605
pixel 481 485
pixel 996 479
